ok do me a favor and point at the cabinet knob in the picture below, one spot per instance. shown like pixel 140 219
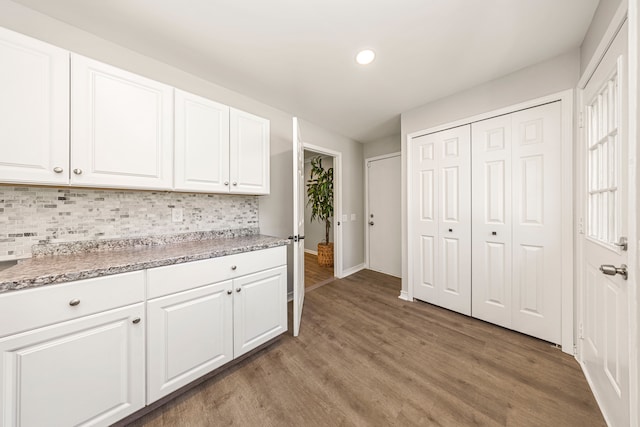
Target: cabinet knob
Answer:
pixel 226 183
pixel 77 171
pixel 74 302
pixel 136 320
pixel 238 289
pixel 233 267
pixel 235 183
pixel 58 169
pixel 229 292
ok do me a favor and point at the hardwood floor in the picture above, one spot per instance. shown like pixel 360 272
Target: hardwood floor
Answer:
pixel 366 358
pixel 315 275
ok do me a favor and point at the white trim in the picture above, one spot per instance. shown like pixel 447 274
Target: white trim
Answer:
pixel 352 270
pixel 558 96
pixel 634 266
pixel 614 26
pixel 594 391
pixel 310 251
pixel 337 203
pixel 404 295
pixel 366 201
pixel 567 280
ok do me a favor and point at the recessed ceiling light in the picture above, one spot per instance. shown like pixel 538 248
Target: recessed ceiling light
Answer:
pixel 365 57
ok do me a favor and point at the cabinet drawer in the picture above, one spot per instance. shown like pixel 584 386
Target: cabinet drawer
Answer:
pixel 33 308
pixel 175 278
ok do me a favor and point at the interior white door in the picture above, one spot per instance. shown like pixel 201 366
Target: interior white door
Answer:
pixel 517 221
pixel 298 227
pixel 383 212
pixel 605 311
pixel 441 211
pixel 491 204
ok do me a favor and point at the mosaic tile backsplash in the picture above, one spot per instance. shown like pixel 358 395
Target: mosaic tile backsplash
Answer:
pixel 33 215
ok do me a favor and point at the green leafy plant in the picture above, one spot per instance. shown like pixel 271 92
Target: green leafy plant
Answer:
pixel 320 193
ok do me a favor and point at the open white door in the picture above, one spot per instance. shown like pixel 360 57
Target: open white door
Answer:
pixel 605 319
pixel 298 227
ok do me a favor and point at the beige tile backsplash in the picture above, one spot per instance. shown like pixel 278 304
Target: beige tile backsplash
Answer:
pixel 31 215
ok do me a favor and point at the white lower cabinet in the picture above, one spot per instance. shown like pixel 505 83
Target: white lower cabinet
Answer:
pixel 190 334
pixel 259 309
pixel 204 325
pixel 74 354
pixel 87 371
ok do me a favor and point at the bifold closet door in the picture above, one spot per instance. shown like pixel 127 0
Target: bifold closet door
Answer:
pixel 516 206
pixel 441 218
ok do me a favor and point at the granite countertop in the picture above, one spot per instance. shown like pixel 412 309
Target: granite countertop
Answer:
pixel 77 264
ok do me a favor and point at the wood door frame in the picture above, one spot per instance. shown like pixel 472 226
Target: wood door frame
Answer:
pixel 337 203
pixel 567 208
pixel 366 201
pixel 628 10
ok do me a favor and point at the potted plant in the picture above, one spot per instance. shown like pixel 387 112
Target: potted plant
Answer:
pixel 320 194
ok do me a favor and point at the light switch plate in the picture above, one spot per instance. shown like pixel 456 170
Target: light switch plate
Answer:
pixel 353 217
pixel 345 218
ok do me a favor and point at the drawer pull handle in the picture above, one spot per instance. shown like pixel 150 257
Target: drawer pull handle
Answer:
pixel 136 320
pixel 74 302
pixel 229 292
pixel 233 267
pixel 238 289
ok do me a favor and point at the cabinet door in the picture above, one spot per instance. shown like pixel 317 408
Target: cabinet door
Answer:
pixel 87 371
pixel 121 128
pixel 259 309
pixel 249 153
pixel 34 106
pixel 189 335
pixel 201 144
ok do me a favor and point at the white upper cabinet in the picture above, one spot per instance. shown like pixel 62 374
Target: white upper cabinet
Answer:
pixel 201 144
pixel 121 128
pixel 34 106
pixel 249 153
pixel 219 149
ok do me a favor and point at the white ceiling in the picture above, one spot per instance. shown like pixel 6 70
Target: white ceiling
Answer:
pixel 298 55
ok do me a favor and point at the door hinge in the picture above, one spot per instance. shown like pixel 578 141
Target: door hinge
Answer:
pixel 575 351
pixel 581 331
pixel 581 120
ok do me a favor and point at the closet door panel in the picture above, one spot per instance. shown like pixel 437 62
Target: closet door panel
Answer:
pixel 454 220
pixel 424 188
pixel 442 218
pixel 537 221
pixel 491 236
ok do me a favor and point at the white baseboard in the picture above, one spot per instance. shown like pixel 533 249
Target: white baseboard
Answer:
pixel 404 295
pixel 309 251
pixel 352 270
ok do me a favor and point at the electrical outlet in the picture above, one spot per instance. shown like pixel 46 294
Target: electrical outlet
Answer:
pixel 177 215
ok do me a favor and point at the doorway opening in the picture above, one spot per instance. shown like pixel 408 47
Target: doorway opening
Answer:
pixel 318 270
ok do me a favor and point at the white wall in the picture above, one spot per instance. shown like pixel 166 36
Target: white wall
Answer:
pixel 314 231
pixel 379 147
pixel 275 210
pixel 554 75
pixel 352 188
pixel 601 19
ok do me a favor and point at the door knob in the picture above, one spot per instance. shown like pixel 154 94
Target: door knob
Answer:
pixel 612 270
pixel 370 222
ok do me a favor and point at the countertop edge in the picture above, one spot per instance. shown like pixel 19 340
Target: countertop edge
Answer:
pixel 81 274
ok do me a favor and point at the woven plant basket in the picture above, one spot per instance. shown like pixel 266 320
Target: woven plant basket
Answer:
pixel 325 254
